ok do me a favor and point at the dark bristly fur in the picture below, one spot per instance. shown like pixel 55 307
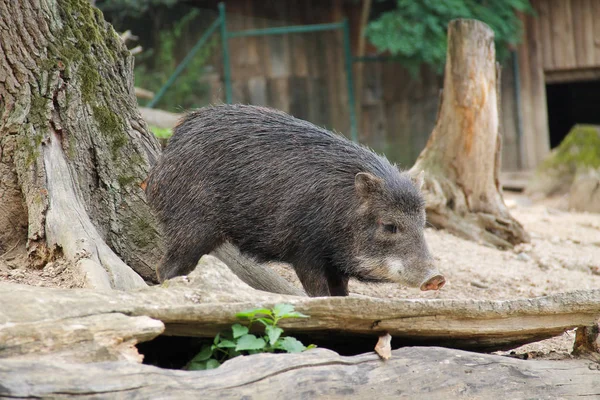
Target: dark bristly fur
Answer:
pixel 283 189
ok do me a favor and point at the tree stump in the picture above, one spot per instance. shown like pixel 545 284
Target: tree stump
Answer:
pixel 462 157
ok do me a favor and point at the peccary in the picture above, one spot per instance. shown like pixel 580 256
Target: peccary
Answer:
pixel 282 189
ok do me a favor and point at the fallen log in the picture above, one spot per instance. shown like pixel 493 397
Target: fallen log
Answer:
pixel 206 302
pixel 411 372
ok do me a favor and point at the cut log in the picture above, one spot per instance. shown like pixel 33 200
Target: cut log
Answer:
pixel 206 302
pixel 101 337
pixel 432 373
pixel 462 157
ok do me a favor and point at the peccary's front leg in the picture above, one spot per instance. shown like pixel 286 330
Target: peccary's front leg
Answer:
pixel 338 284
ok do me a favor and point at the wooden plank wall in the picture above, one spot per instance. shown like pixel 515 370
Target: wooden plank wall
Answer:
pixel 535 142
pixel 561 44
pixel 569 33
pixel 398 111
pixel 304 74
pixel 301 74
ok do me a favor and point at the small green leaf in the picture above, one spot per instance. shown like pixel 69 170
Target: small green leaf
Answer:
pixel 232 353
pixel 226 344
pixel 273 333
pixel 217 338
pixel 265 321
pixel 252 313
pixel 212 364
pixel 203 355
pixel 287 311
pixel 197 366
pixel 311 346
pixel 249 342
pixel 281 309
pixel 290 344
pixel 238 330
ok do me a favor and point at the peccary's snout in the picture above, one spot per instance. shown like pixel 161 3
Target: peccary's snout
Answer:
pixel 434 283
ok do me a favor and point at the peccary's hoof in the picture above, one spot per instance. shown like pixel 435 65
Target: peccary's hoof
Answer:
pixel 434 283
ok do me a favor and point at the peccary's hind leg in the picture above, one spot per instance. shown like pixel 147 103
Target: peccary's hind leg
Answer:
pixel 182 256
pixel 313 280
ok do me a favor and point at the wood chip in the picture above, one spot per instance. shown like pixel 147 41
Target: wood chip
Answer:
pixel 384 346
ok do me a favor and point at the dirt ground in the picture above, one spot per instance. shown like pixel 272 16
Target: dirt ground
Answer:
pixel 564 255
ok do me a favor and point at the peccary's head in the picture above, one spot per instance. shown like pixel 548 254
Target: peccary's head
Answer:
pixel 389 241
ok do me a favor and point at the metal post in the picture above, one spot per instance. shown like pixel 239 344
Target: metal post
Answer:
pixel 226 66
pixel 517 89
pixel 184 63
pixel 350 81
pixel 281 30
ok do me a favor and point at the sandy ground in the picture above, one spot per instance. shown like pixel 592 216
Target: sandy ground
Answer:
pixel 564 255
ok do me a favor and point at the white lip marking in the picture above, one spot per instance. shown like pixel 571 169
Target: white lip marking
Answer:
pixel 396 266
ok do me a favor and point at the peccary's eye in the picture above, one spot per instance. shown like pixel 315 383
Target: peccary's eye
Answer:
pixel 390 228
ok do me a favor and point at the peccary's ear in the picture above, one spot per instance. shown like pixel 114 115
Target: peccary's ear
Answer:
pixel 417 178
pixel 367 184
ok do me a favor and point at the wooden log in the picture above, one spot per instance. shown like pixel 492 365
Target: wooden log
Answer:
pixel 100 337
pixel 433 373
pixel 205 302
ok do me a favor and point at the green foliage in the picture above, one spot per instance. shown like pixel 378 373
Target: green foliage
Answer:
pixel 416 31
pixel 131 8
pixel 161 133
pixel 155 66
pixel 240 341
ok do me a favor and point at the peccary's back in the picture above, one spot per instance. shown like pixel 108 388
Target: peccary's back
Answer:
pixel 254 169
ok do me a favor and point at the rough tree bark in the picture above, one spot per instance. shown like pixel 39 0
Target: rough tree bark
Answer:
pixel 462 157
pixel 74 146
pixel 74 149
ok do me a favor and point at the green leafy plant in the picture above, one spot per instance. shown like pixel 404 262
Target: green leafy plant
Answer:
pixel 239 341
pixel 161 133
pixel 415 31
pixel 132 8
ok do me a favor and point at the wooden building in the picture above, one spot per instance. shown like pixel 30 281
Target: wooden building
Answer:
pixel 559 71
pixel 551 83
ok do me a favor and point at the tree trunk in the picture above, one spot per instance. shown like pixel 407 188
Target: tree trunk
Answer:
pixel 462 157
pixel 74 150
pixel 74 146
